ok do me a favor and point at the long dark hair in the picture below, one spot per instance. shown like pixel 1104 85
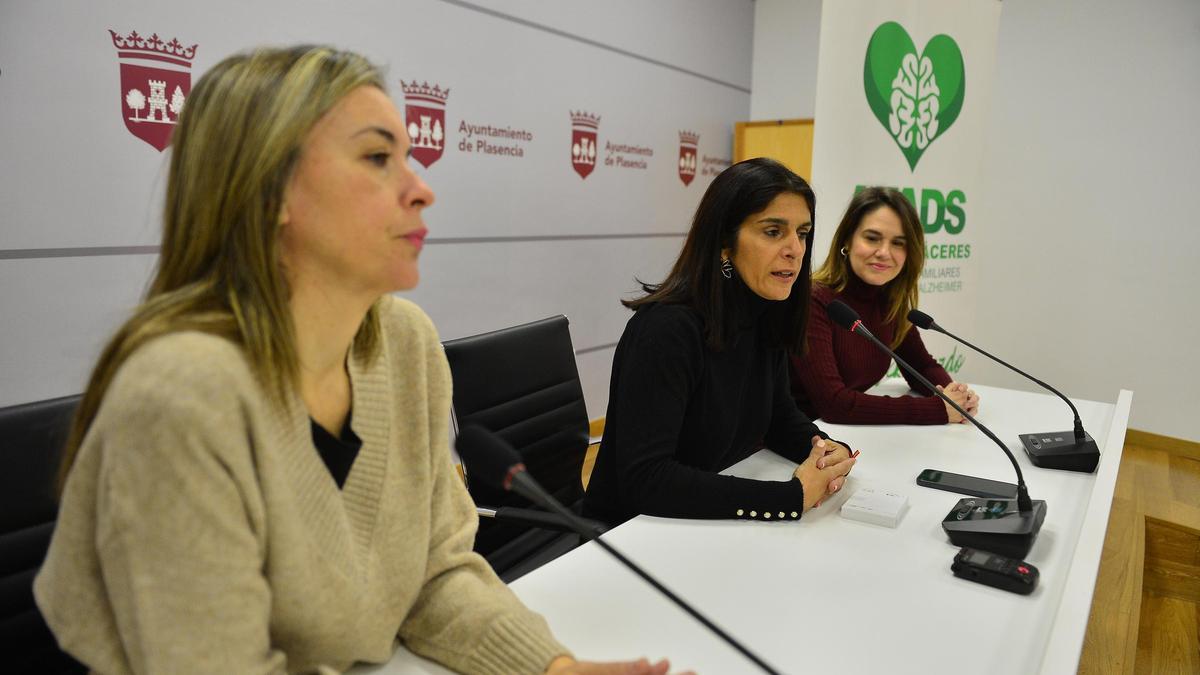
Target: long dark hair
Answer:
pixel 739 192
pixel 902 291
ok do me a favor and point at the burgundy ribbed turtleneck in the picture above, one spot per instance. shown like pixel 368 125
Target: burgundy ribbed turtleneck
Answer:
pixel 829 382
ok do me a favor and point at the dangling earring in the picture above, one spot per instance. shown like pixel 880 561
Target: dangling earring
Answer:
pixel 843 251
pixel 726 268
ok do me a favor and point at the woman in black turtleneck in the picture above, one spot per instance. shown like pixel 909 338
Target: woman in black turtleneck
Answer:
pixel 699 379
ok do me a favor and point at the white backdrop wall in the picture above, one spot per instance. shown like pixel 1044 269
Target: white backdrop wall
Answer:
pixel 512 238
pixel 1092 243
pixel 1088 243
pixel 784 78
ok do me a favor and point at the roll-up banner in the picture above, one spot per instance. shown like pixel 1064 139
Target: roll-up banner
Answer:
pixel 903 99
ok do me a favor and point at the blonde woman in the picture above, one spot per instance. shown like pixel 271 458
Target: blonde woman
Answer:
pixel 258 479
pixel 874 265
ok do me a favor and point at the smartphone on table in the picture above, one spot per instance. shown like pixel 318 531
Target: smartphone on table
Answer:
pixel 966 485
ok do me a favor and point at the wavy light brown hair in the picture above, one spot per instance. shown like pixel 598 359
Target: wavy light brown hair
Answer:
pixel 902 291
pixel 234 149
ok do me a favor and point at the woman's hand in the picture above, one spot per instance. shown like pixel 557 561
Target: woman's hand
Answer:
pixel 565 665
pixel 824 472
pixel 972 405
pixel 960 394
pixel 834 452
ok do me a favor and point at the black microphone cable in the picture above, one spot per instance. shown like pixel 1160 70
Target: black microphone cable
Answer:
pixel 841 314
pixel 925 322
pixel 498 464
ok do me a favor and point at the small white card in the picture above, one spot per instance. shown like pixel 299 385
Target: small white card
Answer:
pixel 878 507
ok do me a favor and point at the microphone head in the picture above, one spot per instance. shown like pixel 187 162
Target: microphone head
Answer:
pixel 920 319
pixel 841 314
pixel 489 458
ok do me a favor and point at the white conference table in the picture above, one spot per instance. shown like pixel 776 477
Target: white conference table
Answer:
pixel 829 595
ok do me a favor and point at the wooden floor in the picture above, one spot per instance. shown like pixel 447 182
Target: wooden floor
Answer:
pixel 589 460
pixel 1146 607
pixel 595 430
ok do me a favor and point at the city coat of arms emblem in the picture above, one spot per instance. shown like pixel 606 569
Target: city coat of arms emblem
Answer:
pixel 156 79
pixel 688 142
pixel 425 117
pixel 584 128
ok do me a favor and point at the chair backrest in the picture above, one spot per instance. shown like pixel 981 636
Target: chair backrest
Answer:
pixel 31 442
pixel 522 383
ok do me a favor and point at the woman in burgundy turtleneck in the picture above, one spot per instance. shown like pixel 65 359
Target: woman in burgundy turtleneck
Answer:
pixel 874 265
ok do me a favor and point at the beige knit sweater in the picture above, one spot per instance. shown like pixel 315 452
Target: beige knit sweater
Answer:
pixel 200 531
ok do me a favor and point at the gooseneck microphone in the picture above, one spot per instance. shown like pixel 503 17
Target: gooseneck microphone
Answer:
pixel 498 464
pixel 1073 451
pixel 992 525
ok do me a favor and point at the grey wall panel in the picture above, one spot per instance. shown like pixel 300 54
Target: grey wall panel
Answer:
pixel 703 36
pixel 786 40
pixel 513 238
pixel 583 279
pixel 60 310
pixel 464 288
pixel 72 163
pixel 57 314
pixel 71 177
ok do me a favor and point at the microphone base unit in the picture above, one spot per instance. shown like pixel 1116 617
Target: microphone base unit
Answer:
pixel 1060 450
pixel 995 525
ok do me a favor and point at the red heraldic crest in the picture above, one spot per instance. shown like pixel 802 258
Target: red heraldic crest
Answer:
pixel 688 142
pixel 425 116
pixel 584 130
pixel 156 79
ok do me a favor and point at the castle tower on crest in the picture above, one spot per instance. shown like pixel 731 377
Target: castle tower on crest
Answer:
pixel 158 100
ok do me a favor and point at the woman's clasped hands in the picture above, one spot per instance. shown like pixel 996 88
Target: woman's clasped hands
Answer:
pixel 965 397
pixel 824 472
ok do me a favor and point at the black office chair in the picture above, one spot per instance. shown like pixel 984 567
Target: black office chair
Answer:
pixel 31 442
pixel 522 384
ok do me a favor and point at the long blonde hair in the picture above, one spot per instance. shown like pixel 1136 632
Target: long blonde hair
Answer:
pixel 902 291
pixel 233 151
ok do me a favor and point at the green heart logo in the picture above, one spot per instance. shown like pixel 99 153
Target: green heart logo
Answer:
pixel 916 98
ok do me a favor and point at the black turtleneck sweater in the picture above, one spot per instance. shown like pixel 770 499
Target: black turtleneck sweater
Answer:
pixel 679 412
pixel 829 382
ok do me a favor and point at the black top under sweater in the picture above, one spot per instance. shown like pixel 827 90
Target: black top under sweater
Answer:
pixel 679 412
pixel 338 453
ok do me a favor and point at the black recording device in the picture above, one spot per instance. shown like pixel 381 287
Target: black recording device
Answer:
pixel 1007 526
pixel 989 569
pixel 966 485
pixel 1070 450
